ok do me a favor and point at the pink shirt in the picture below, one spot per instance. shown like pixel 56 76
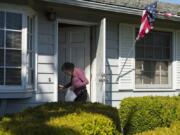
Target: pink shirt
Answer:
pixel 78 80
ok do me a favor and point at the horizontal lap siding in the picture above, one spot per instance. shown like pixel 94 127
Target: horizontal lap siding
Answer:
pixel 112 60
pixel 126 37
pixel 119 43
pixel 125 87
pixel 177 49
pixel 46 69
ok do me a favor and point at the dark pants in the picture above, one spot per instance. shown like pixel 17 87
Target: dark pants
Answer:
pixel 82 96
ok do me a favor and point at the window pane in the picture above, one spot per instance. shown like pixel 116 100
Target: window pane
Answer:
pixel 148 40
pixel 1 76
pixel 164 66
pixel 164 77
pixel 1 57
pixel 157 53
pixel 147 66
pixel 13 39
pixel 13 76
pixel 158 65
pixel 140 52
pixel 13 58
pixel 166 53
pixel 13 21
pixel 148 54
pixel 139 65
pixel 147 77
pixel 2 16
pixel 138 77
pixel 156 77
pixel 1 38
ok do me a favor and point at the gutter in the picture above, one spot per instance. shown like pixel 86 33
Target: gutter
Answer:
pixel 108 7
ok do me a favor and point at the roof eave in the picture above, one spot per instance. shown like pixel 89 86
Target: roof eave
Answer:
pixel 108 7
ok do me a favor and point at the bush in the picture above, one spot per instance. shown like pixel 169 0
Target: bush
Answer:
pixel 173 130
pixel 63 119
pixel 147 113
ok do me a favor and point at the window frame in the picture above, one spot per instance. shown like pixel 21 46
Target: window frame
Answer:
pixel 157 87
pixel 25 12
pixel 33 52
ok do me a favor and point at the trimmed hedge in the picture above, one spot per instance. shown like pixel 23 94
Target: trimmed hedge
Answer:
pixel 63 119
pixel 173 130
pixel 147 113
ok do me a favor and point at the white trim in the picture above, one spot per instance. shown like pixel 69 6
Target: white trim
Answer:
pixel 173 64
pixel 16 8
pixel 176 60
pixel 154 90
pixel 21 87
pixel 108 7
pixel 56 23
pixel 24 51
pixel 36 53
pixel 24 11
pixel 76 22
pixel 104 59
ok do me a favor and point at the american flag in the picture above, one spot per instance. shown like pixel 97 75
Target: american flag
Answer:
pixel 148 18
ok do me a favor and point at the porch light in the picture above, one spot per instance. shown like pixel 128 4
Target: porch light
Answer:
pixel 51 15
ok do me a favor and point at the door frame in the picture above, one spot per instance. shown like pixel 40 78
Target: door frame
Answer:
pixel 56 48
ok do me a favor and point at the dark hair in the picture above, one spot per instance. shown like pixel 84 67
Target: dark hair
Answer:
pixel 67 66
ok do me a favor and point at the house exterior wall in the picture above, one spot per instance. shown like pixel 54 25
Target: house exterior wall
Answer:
pixel 44 86
pixel 119 40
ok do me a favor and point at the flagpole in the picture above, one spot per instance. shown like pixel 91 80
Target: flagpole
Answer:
pixel 129 54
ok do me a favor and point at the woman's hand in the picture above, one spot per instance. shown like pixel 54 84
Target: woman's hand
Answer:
pixel 60 87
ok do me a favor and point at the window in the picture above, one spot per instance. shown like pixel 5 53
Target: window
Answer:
pixel 15 52
pixel 153 60
pixel 10 48
pixel 30 51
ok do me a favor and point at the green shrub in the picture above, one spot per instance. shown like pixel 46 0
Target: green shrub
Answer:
pixel 63 119
pixel 147 113
pixel 173 130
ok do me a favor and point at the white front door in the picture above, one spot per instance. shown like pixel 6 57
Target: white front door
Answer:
pixel 74 46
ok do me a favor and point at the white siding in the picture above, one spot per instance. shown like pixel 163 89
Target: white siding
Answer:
pixel 126 52
pixel 46 60
pixel 123 41
pixel 177 56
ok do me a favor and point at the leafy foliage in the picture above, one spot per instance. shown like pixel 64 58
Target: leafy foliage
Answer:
pixel 173 130
pixel 63 119
pixel 147 113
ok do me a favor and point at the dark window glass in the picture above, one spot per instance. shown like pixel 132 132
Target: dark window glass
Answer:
pixel 2 16
pixel 13 76
pixel 13 58
pixel 1 57
pixel 13 39
pixel 1 38
pixel 13 21
pixel 1 76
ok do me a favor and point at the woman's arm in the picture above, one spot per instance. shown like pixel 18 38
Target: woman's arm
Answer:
pixel 67 85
